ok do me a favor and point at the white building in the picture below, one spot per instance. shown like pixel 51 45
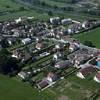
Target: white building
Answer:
pixel 55 20
pixel 26 41
pixel 66 21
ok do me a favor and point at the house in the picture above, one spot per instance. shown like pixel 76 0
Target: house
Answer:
pixel 97 78
pixel 55 20
pixel 25 57
pixel 39 39
pixel 87 24
pixel 63 64
pixel 59 46
pixel 73 47
pixel 24 75
pixel 57 56
pixel 81 59
pixel 52 77
pixel 16 32
pixel 39 46
pixel 16 54
pixel 42 84
pixel 85 71
pixel 75 28
pixel 22 55
pixel 11 41
pixel 26 41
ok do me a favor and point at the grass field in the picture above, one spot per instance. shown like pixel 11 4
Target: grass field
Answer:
pixel 13 89
pixel 93 35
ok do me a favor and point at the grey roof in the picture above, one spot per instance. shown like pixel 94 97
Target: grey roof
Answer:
pixel 64 64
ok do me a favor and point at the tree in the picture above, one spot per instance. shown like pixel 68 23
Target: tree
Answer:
pixel 4 43
pixel 43 3
pixel 21 8
pixel 89 43
pixel 50 13
pixel 8 65
pixel 55 6
pixel 7 6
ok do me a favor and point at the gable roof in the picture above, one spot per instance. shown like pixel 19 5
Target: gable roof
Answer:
pixel 43 84
pixel 87 70
pixel 63 64
pixel 53 76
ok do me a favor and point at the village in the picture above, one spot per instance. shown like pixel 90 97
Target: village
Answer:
pixel 47 51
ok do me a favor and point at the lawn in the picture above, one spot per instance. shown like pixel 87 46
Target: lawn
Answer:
pixel 14 89
pixel 93 35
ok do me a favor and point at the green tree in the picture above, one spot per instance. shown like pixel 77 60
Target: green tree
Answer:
pixel 89 43
pixel 50 13
pixel 8 65
pixel 21 8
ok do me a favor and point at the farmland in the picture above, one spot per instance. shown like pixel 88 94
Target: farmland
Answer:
pixel 10 10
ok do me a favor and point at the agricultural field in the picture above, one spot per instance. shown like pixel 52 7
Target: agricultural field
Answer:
pixel 66 7
pixel 93 35
pixel 10 10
